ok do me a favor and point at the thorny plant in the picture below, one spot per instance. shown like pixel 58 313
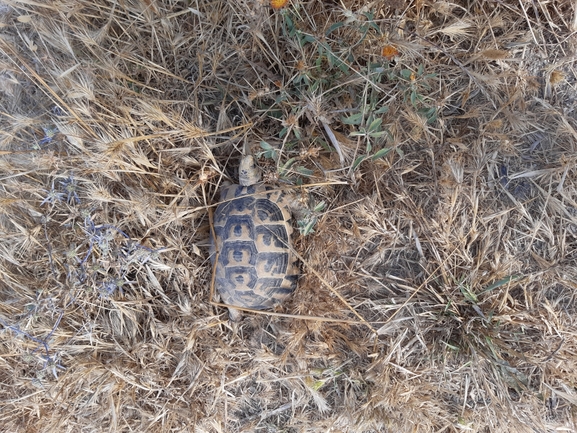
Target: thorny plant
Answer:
pixel 50 362
pixel 103 247
pixel 332 62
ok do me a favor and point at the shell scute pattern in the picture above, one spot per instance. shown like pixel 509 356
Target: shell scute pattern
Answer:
pixel 256 267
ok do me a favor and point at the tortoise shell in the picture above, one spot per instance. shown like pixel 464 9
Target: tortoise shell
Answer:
pixel 256 266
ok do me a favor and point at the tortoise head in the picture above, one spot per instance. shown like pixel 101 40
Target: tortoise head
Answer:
pixel 248 172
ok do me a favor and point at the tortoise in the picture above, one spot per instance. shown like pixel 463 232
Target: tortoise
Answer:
pixel 256 266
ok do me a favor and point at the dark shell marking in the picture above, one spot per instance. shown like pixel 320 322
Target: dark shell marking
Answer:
pixel 256 267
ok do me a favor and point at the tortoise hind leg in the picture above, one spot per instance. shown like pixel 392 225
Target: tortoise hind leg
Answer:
pixel 234 315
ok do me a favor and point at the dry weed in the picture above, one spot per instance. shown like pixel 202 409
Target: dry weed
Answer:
pixel 449 221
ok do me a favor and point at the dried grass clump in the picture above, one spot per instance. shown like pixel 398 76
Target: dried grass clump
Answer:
pixel 441 138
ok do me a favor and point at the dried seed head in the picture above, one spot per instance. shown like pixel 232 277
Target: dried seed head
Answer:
pixel 556 77
pixel 312 152
pixel 291 121
pixel 271 177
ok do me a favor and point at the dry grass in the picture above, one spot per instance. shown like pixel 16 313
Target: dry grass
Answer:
pixel 457 243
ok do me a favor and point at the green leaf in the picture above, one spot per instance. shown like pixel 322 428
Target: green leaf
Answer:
pixel 269 151
pixel 323 144
pixel 378 134
pixel 309 39
pixel 287 165
pixel 384 109
pixel 375 67
pixel 470 296
pixel 280 98
pixel 319 206
pixel 264 145
pixel 370 16
pixel 330 57
pixel 381 153
pixel 358 161
pixel 306 227
pixel 429 113
pixel 289 25
pixel 304 171
pixel 450 346
pixel 342 66
pixel 276 114
pixel 375 125
pixel 354 119
pixel 502 282
pixel 375 26
pixel 406 74
pixel 334 27
pixel 360 133
pixel 318 384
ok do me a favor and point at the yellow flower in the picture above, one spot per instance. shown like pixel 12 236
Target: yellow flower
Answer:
pixel 278 4
pixel 389 52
